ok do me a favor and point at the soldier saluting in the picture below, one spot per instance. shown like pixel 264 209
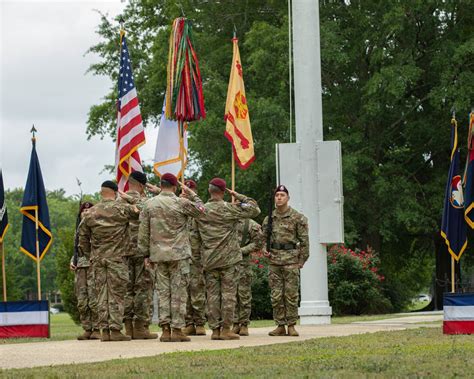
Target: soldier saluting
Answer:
pixel 288 250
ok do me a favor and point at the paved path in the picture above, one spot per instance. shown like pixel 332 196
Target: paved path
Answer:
pixel 72 351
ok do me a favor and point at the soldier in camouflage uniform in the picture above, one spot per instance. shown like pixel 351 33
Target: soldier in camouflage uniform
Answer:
pixel 163 238
pixel 84 287
pixel 287 232
pixel 195 312
pixel 251 240
pixel 138 300
pixel 220 253
pixel 103 233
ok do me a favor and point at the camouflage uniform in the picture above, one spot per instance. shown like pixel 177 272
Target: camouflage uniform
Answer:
pixel 220 254
pixel 196 306
pixel 289 249
pixel 251 240
pixel 163 236
pixel 84 289
pixel 103 233
pixel 139 298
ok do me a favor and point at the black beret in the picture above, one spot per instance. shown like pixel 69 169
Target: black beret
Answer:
pixel 281 188
pixel 140 177
pixel 110 184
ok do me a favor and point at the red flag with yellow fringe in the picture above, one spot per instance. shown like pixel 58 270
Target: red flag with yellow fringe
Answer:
pixel 238 130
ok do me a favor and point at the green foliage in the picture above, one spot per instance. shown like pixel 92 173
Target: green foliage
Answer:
pixel 391 71
pixel 261 303
pixel 354 282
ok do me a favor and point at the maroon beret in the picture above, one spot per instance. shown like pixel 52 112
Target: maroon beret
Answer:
pixel 281 188
pixel 170 178
pixel 85 205
pixel 218 182
pixel 191 184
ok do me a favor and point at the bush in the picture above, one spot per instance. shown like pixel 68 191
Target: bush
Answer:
pixel 261 303
pixel 355 284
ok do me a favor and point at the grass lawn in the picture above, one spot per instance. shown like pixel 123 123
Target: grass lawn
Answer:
pixel 63 328
pixel 424 352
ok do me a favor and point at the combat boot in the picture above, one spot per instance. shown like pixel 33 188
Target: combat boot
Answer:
pixel 278 331
pixel 178 336
pixel 292 331
pixel 85 336
pixel 227 334
pixel 190 330
pixel 236 329
pixel 141 332
pixel 105 335
pixel 216 334
pixel 244 330
pixel 128 327
pixel 166 335
pixel 200 331
pixel 116 335
pixel 95 335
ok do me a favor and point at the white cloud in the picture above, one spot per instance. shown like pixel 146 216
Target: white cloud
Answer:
pixel 43 81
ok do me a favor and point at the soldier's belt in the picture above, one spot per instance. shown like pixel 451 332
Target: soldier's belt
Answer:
pixel 283 246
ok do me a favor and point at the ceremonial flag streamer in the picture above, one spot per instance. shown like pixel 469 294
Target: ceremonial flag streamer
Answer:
pixel 35 211
pixel 238 130
pixel 24 319
pixel 184 96
pixel 171 147
pixel 469 176
pixel 130 132
pixel 3 211
pixel 453 226
pixel 458 311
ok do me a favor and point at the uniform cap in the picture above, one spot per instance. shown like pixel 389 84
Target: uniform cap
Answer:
pixel 191 184
pixel 170 178
pixel 110 184
pixel 281 188
pixel 219 183
pixel 140 177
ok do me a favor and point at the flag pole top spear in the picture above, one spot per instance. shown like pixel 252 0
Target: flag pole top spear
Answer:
pixel 33 131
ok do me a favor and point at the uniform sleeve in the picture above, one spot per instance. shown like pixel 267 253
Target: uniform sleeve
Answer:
pixel 264 231
pixel 144 233
pixel 303 238
pixel 255 239
pixel 192 208
pixel 196 241
pixel 248 208
pixel 84 238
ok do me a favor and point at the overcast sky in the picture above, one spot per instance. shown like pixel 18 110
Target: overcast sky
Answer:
pixel 43 81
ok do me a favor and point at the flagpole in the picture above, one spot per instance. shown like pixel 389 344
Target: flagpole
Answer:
pixel 233 173
pixel 4 278
pixel 181 148
pixel 453 276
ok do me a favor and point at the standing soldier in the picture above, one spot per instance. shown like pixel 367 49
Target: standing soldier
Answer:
pixel 103 234
pixel 163 238
pixel 251 240
pixel 220 252
pixel 84 286
pixel 138 300
pixel 195 312
pixel 288 250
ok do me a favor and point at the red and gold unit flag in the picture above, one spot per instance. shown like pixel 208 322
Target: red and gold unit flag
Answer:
pixel 238 130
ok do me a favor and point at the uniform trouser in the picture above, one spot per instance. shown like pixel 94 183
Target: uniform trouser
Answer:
pixel 111 278
pixel 196 305
pixel 221 286
pixel 139 290
pixel 84 289
pixel 284 291
pixel 243 305
pixel 172 285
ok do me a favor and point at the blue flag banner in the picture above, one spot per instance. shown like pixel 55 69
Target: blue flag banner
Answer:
pixel 453 225
pixel 3 210
pixel 35 212
pixel 469 176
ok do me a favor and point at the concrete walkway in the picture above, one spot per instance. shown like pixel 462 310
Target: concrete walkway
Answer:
pixel 37 354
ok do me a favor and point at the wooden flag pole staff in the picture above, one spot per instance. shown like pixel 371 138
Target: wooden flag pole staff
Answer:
pixel 4 278
pixel 181 148
pixel 453 275
pixel 233 174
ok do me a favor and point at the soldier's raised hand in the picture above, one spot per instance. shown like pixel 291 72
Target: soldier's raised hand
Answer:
pixel 152 188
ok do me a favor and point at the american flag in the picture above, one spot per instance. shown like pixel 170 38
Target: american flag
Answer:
pixel 130 132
